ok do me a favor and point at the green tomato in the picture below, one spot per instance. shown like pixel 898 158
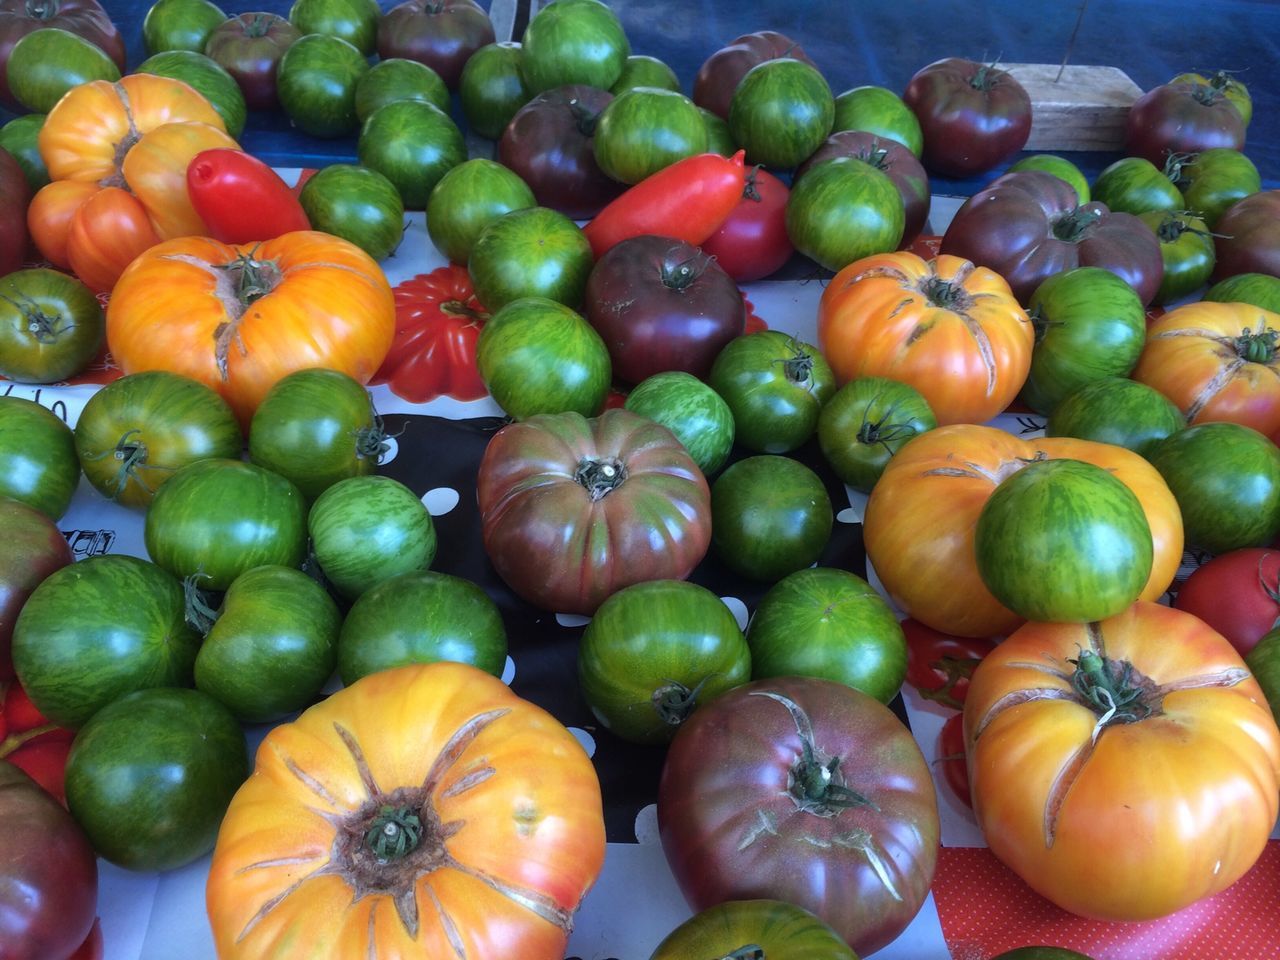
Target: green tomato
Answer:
pixel 642 71
pixel 1118 411
pixel 207 78
pixel 467 199
pixel 719 139
pixel 695 413
pixel 770 516
pixel 38 463
pixel 355 21
pixel 316 85
pixel 151 776
pixel 365 530
pixel 1134 185
pixel 775 386
pixel 828 623
pixel 781 112
pixel 1063 540
pixel 1186 246
pixel 272 646
pixel 421 617
pixel 492 88
pixel 1259 289
pixel 645 130
pixel 753 928
pixel 653 653
pixel 1264 661
pixel 879 111
pixel 180 25
pixel 866 422
pixel 538 356
pixel 398 79
pixel 1060 167
pixel 356 204
pixel 843 210
pixel 1213 180
pixel 48 62
pixel 573 41
pixel 413 144
pixel 534 252
pixel 20 137
pixel 51 326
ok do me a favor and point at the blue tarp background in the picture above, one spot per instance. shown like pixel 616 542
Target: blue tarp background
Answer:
pixel 884 42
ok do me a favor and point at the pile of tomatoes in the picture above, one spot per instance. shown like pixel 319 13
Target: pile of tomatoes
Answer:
pixel 651 427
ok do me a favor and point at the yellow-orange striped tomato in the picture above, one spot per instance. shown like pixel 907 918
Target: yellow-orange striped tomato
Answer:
pixel 952 330
pixel 423 812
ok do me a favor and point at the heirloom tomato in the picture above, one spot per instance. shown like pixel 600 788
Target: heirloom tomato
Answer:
pixel 249 47
pixel 866 422
pixel 240 198
pixel 1060 167
pixel 399 79
pixel 1222 80
pixel 467 199
pixel 752 241
pixel 951 757
pixel 921 519
pixel 413 144
pixel 34 548
pixel 1211 181
pixel 720 73
pixel 818 796
pixel 443 34
pixel 491 89
pixel 1217 361
pixel 948 328
pixel 355 21
pixel 1236 593
pixel 38 463
pixel 51 326
pixel 207 78
pixel 180 24
pixel 882 112
pixel 1137 186
pixel 780 112
pixel 1258 289
pixel 843 210
pixel 746 928
pixel 1182 118
pixel 86 18
pixel 1125 768
pixel 646 130
pixel 1186 246
pixel 1247 236
pixel 573 41
pixel 239 319
pixel 533 252
pixel 15 196
pixel 573 509
pixel 644 71
pixel 696 414
pixel 423 811
pixel 48 63
pixel 1116 410
pixel 316 84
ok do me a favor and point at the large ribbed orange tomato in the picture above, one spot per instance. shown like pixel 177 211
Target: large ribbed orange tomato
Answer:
pixel 240 318
pixel 952 330
pixel 138 134
pixel 1217 361
pixel 922 514
pixel 423 812
pixel 1126 768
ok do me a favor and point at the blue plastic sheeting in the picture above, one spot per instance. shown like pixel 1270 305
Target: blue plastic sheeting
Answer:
pixel 857 42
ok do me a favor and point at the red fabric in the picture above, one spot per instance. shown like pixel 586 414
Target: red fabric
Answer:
pixel 986 909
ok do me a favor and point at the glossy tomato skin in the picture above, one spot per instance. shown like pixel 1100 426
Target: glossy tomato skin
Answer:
pixel 34 548
pixel 443 35
pixel 51 325
pixel 781 112
pixel 1182 118
pixel 1119 411
pixel 830 623
pixel 882 112
pixel 1191 756
pixel 249 47
pixel 534 252
pixel 421 617
pixel 1250 236
pixel 771 516
pixel 644 130
pixel 737 822
pixel 844 210
pixel 1213 180
pixel 939 665
pixel 695 413
pixel 752 242
pixel 569 507
pixel 216 519
pixel 656 652
pixel 780 930
pixel 49 890
pixel 240 198
pixel 1137 186
pixel 866 422
pixel 1236 593
pixel 15 194
pixel 1186 246
pixel 97 630
pixel 973 116
pixel 775 385
pixel 38 464
pixel 951 758
pixel 549 143
pixel 532 832
pixel 1258 289
pixel 85 18
pixel 467 199
pixel 1027 226
pixel 316 427
pixel 316 84
pixel 573 41
pixel 661 304
pixel 721 72
pixel 492 89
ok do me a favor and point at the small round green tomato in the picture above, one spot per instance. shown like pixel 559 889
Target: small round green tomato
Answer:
pixel 879 111
pixel 467 199
pixel 356 204
pixel 866 422
pixel 365 530
pixel 843 210
pixel 492 88
pixel 48 62
pixel 180 25
pixel 775 385
pixel 538 356
pixel 646 129
pixel 1060 167
pixel 574 41
pixel 413 144
pixel 1063 540
pixel 151 775
pixel 690 409
pixel 272 646
pixel 399 79
pixel 781 112
pixel 828 623
pixel 421 617
pixel 770 516
pixel 1118 411
pixel 1134 185
pixel 656 651
pixel 1186 245
pixel 51 326
pixel 719 139
pixel 534 252
pixel 1259 289
pixel 316 85
pixel 38 462
pixel 355 21
pixel 642 71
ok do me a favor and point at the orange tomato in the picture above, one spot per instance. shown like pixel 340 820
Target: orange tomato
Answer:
pixel 239 318
pixel 496 828
pixel 952 330
pixel 108 230
pixel 1132 813
pixel 1217 361
pixel 920 520
pixel 51 213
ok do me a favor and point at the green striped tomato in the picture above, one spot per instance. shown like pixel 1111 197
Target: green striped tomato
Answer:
pixel 1134 185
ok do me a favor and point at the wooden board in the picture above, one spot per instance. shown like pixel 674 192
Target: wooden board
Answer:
pixel 1084 110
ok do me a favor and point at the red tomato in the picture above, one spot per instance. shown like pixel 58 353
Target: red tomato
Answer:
pixel 1236 593
pixel 752 242
pixel 240 198
pixel 434 351
pixel 93 947
pixel 951 758
pixel 939 665
pixel 20 713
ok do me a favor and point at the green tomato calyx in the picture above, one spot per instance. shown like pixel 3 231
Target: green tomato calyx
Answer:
pixel 749 952
pixel 945 294
pixel 1115 689
pixel 600 477
pixel 1257 347
pixel 1074 226
pixel 393 833
pixel 673 701
pixel 45 327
